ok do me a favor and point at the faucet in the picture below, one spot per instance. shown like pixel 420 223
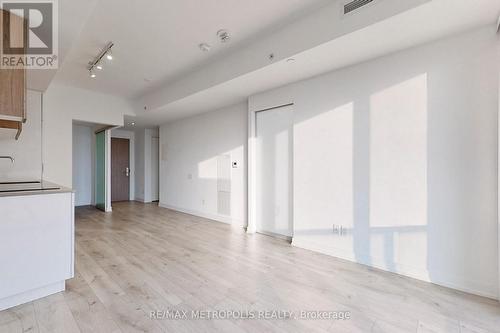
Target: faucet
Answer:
pixel 8 158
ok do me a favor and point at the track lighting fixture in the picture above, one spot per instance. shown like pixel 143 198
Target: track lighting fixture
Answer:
pixel 97 62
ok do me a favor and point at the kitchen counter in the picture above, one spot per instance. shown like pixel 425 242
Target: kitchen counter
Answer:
pixel 24 188
pixel 37 235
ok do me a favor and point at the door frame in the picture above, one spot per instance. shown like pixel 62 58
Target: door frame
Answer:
pixel 157 199
pixel 107 167
pixel 124 134
pixel 252 164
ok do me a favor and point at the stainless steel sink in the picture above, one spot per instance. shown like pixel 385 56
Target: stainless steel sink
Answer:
pixel 26 186
pixel 20 182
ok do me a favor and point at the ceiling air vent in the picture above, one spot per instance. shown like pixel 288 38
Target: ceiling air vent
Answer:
pixel 355 5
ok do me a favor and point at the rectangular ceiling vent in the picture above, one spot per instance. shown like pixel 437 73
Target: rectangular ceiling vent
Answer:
pixel 355 5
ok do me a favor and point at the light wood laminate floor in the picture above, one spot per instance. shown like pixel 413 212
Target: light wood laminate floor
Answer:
pixel 143 258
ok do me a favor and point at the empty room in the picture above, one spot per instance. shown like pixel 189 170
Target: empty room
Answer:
pixel 249 166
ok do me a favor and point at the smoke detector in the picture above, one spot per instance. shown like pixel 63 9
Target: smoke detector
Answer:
pixel 223 35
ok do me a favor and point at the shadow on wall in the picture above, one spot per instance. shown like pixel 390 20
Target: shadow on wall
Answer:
pixel 399 151
pixel 402 157
pixel 374 152
pixel 197 154
pixel 274 191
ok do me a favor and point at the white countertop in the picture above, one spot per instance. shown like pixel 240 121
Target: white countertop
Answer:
pixel 10 189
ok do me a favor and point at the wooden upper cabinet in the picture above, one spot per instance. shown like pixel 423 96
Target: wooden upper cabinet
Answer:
pixel 12 81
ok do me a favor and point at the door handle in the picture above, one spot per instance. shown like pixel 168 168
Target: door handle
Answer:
pixel 127 171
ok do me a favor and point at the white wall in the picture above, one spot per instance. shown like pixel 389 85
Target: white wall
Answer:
pixel 274 156
pixel 155 168
pixel 27 151
pixel 148 133
pixel 124 134
pixel 148 167
pixel 83 165
pixel 143 142
pixel 189 150
pixel 498 164
pixel 62 105
pixel 139 165
pixel 402 152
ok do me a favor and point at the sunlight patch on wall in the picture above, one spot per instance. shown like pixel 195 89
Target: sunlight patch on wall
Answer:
pixel 207 169
pixel 398 155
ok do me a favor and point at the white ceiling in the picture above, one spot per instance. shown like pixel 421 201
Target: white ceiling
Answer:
pixel 158 40
pixel 426 23
pixel 72 18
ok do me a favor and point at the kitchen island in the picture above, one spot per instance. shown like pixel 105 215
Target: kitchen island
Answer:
pixel 36 241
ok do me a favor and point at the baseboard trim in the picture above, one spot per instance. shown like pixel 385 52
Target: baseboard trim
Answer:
pixel 15 300
pixel 210 216
pixel 275 235
pixel 141 200
pixel 419 274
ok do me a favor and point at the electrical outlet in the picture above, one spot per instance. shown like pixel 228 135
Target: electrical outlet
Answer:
pixel 338 230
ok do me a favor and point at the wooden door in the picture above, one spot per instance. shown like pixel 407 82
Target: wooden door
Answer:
pixel 120 169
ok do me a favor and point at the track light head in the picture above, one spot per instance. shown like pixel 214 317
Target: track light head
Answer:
pixel 97 63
